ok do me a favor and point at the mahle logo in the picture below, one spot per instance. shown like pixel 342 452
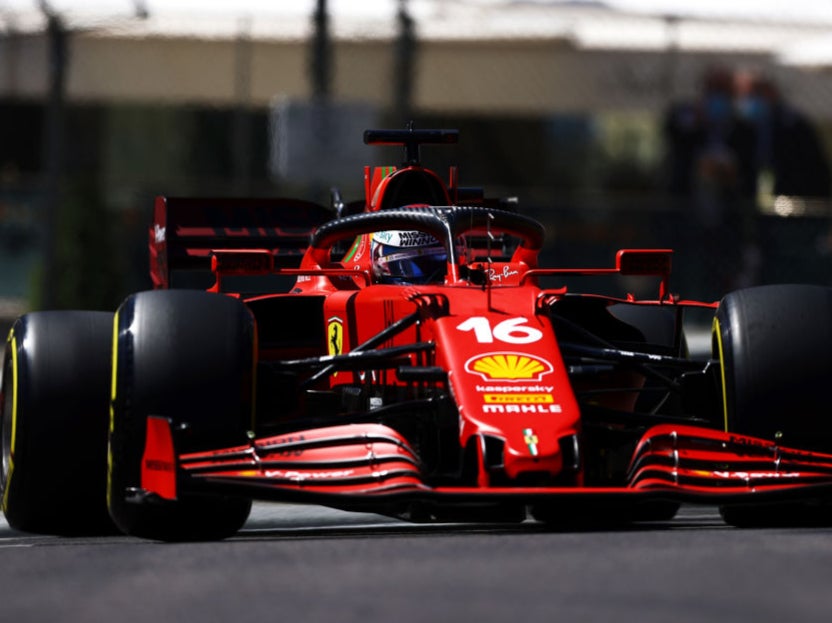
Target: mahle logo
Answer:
pixel 506 366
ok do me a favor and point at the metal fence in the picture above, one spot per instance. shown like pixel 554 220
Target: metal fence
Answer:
pixel 710 134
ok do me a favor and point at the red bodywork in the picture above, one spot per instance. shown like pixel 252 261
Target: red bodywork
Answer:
pixel 478 352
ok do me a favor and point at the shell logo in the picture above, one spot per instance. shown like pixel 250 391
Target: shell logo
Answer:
pixel 507 366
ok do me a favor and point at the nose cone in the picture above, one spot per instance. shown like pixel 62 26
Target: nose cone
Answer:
pixel 529 450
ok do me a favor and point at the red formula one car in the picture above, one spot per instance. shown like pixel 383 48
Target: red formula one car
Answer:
pixel 404 356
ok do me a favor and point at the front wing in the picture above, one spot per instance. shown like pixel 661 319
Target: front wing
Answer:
pixel 371 467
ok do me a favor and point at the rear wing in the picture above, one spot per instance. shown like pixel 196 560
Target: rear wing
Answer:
pixel 186 230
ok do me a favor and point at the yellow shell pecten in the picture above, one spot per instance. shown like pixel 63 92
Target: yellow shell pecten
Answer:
pixel 508 367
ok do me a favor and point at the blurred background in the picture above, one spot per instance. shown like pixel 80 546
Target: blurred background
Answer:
pixel 699 125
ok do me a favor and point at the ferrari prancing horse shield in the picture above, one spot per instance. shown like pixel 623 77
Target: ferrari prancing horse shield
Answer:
pixel 335 336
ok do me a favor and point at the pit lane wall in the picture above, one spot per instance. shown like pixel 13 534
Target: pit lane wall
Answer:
pixel 484 58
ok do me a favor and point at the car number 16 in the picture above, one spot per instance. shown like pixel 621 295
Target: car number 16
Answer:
pixel 511 331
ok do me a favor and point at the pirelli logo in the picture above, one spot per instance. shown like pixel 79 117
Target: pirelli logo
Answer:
pixel 525 399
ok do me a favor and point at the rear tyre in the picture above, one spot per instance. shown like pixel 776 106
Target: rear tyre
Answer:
pixel 595 515
pixel 53 410
pixel 783 515
pixel 774 344
pixel 187 356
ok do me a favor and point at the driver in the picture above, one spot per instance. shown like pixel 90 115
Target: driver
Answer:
pixel 407 257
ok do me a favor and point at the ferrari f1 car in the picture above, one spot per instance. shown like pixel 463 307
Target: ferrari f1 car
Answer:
pixel 404 355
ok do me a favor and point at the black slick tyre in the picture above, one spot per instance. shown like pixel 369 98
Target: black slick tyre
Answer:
pixel 774 344
pixel 187 356
pixel 54 411
pixel 594 515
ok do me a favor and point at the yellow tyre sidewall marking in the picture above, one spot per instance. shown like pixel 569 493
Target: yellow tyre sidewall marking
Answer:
pixel 717 330
pixel 11 343
pixel 113 385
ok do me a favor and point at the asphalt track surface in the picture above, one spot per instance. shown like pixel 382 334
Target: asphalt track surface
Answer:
pixel 303 564
pixel 309 564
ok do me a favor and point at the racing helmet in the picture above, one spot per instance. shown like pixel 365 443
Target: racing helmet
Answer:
pixel 407 257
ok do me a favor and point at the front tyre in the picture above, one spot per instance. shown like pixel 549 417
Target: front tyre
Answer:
pixel 53 417
pixel 774 344
pixel 187 356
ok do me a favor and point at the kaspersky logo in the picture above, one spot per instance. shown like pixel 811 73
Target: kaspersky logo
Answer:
pixel 507 366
